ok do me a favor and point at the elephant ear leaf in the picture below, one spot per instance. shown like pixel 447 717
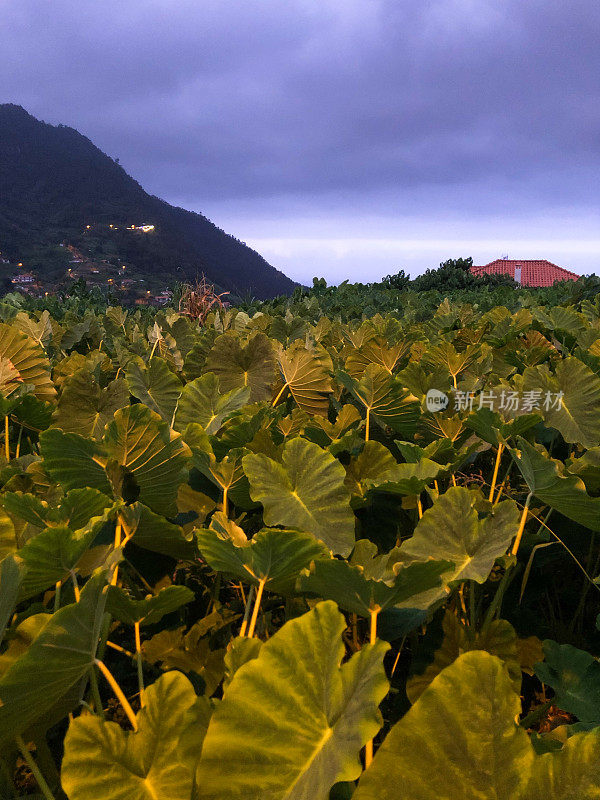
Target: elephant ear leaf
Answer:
pixel 148 450
pixel 56 661
pixel 11 577
pixel 568 400
pixel 49 558
pixel 547 481
pixel 202 402
pixel 574 675
pixel 499 639
pixel 384 399
pixel 28 359
pixel 85 408
pixel 150 610
pixel 74 461
pixel 156 761
pixel 305 374
pixel 273 556
pixel 348 585
pixel 452 529
pixel 154 385
pixel 237 366
pixel 479 750
pixel 306 492
pixel 292 720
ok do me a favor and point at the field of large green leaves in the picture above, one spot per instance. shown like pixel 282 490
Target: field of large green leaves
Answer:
pixel 284 556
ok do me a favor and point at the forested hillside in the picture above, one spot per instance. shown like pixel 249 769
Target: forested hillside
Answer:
pixel 55 182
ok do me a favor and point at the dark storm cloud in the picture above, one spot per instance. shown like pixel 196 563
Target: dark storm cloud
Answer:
pixel 432 104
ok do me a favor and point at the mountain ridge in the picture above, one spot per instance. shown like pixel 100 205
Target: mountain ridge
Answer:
pixel 54 182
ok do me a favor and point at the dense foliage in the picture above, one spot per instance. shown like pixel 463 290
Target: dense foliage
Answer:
pixel 304 551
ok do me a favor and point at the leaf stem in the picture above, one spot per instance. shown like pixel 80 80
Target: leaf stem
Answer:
pixel 119 694
pixel 259 591
pixel 75 585
pixel 247 611
pixel 18 448
pixel 279 394
pixel 7 437
pixel 120 649
pixel 57 596
pixel 95 689
pixel 117 544
pixel 41 781
pixel 225 509
pixel 140 671
pixel 496 468
pixel 519 535
pixel 372 639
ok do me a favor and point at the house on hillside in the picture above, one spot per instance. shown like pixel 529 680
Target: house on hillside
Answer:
pixel 528 273
pixel 23 279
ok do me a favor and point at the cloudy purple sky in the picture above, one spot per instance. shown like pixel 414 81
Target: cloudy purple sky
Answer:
pixel 343 138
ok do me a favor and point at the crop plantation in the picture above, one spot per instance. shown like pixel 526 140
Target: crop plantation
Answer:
pixel 315 548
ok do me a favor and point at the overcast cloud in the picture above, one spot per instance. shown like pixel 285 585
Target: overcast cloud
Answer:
pixel 341 138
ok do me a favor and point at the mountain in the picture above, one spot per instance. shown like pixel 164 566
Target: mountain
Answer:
pixel 54 182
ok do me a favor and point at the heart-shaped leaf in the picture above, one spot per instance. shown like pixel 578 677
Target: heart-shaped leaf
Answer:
pixel 144 445
pixel 237 366
pixel 157 761
pixel 452 530
pixel 499 639
pixel 478 750
pixel 384 399
pixel 28 359
pixel 306 492
pixel 347 584
pixel 202 402
pixel 85 408
pixel 273 556
pixel 548 482
pixel 154 385
pixel 57 659
pixel 150 610
pixel 292 720
pixel 569 399
pixel 306 375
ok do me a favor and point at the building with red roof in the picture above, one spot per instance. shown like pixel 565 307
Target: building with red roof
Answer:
pixel 527 273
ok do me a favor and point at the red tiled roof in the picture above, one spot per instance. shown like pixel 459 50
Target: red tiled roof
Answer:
pixel 533 273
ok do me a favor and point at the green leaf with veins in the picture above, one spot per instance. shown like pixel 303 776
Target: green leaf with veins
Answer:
pixel 293 720
pixel 348 585
pixel 150 610
pixel 156 761
pixel 460 739
pixel 452 529
pixel 305 491
pixel 202 402
pixel 154 385
pixel 56 661
pixel 549 482
pixel 273 556
pixel 141 442
pixel 85 408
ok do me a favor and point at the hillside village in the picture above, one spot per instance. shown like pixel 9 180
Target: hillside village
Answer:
pixel 94 262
